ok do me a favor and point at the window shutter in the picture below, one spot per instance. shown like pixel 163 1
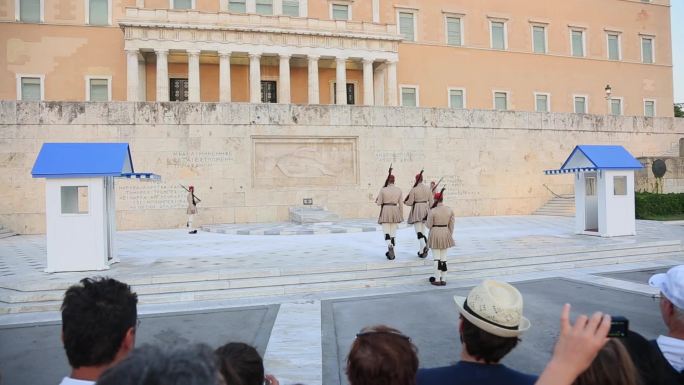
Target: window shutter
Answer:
pixel 577 43
pixel 647 48
pixel 99 91
pixel 456 98
pixel 408 97
pixel 340 12
pixel 406 26
pixel 182 4
pixel 29 11
pixel 539 36
pixel 291 7
pixel 237 6
pixel 613 49
pixel 498 35
pixel 30 88
pixel 454 31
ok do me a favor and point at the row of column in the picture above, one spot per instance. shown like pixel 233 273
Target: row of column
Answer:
pixel 284 94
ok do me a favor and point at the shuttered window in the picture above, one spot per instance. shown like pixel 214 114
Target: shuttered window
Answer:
pixel 649 108
pixel 616 106
pixel 98 12
pixel 237 6
pixel 30 88
pixel 182 4
pixel 264 7
pixel 647 50
pixel 500 101
pixel 498 35
pixel 407 26
pixel 539 39
pixel 29 11
pixel 291 7
pixel 580 105
pixel 453 25
pixel 613 46
pixel 409 97
pixel 577 37
pixel 340 12
pixel 541 103
pixel 456 99
pixel 99 90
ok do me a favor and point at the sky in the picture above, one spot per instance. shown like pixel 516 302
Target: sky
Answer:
pixel 677 12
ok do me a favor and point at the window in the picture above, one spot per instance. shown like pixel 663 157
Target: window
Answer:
pixel 541 102
pixel 620 185
pixel 613 46
pixel 74 199
pixel 182 4
pixel 264 7
pixel 409 96
pixel 647 50
pixel 577 40
pixel 501 101
pixel 178 90
pixel 98 12
pixel 407 26
pixel 498 29
pixel 616 106
pixel 649 108
pixel 30 88
pixel 269 91
pixel 97 89
pixel 237 6
pixel 291 7
pixel 453 29
pixel 539 39
pixel 580 104
pixel 30 11
pixel 340 12
pixel 456 98
pixel 351 96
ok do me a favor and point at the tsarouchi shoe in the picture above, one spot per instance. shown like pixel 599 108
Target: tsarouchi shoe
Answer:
pixel 192 232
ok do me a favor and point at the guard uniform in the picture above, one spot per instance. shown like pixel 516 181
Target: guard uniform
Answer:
pixel 192 210
pixel 391 213
pixel 420 200
pixel 441 224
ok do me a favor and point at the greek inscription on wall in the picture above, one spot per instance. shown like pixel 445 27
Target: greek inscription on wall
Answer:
pixel 456 187
pixel 136 195
pixel 195 159
pixel 304 161
pixel 399 156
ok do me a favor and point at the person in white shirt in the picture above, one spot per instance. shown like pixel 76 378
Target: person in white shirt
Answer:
pixel 99 322
pixel 671 286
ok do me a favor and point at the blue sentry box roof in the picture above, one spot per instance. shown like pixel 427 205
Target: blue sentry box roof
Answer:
pixel 606 157
pixel 81 160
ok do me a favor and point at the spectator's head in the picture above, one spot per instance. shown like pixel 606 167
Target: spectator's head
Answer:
pixel 612 366
pixel 99 318
pixel 152 365
pixel 381 355
pixel 671 286
pixel 491 320
pixel 240 364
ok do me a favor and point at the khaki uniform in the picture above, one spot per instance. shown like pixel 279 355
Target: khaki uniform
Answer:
pixel 420 199
pixel 441 224
pixel 391 208
pixel 192 207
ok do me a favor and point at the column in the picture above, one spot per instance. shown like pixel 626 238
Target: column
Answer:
pixel 132 75
pixel 368 82
pixel 224 77
pixel 162 75
pixel 392 83
pixel 284 80
pixel 193 76
pixel 254 78
pixel 313 80
pixel 341 80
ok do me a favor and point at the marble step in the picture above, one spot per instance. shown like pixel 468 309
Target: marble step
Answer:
pixel 414 276
pixel 238 281
pixel 311 214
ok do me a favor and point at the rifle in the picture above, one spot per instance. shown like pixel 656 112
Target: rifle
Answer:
pixel 441 197
pixel 389 172
pixel 414 185
pixel 438 182
pixel 193 194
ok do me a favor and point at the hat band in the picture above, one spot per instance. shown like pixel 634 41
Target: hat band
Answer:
pixel 469 310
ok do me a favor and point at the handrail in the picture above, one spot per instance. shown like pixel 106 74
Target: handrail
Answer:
pixel 556 195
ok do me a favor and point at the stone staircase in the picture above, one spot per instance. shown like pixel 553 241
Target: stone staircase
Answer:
pixel 312 214
pixel 273 282
pixel 563 206
pixel 5 232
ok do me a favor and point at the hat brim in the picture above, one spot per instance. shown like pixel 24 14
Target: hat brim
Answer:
pixel 657 280
pixel 488 327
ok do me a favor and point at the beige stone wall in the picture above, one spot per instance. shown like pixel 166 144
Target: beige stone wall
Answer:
pixel 250 163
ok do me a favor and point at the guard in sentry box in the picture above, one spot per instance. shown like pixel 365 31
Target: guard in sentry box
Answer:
pixel 391 212
pixel 440 221
pixel 420 200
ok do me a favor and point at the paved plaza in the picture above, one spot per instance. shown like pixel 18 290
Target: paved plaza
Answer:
pixel 305 335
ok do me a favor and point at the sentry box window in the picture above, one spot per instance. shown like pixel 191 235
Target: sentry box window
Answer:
pixel 620 185
pixel 74 199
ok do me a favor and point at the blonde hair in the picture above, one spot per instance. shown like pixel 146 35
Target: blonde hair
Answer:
pixel 612 366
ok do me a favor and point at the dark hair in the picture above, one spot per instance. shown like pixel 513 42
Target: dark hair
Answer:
pixel 612 366
pixel 152 365
pixel 96 315
pixel 240 364
pixel 381 355
pixel 483 345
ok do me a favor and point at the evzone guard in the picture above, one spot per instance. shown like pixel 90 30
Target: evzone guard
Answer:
pixel 391 211
pixel 440 221
pixel 192 208
pixel 420 200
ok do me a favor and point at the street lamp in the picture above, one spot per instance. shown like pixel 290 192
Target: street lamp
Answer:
pixel 609 90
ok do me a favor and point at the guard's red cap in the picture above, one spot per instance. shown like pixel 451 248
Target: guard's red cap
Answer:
pixel 419 177
pixel 191 187
pixel 438 196
pixel 390 178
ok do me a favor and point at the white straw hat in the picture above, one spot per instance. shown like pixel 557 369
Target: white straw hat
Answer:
pixel 495 307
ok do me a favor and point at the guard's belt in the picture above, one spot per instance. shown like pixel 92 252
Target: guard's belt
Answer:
pixel 389 204
pixel 419 202
pixel 440 225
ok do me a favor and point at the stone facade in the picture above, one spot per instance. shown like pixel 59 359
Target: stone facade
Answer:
pixel 252 162
pixel 672 181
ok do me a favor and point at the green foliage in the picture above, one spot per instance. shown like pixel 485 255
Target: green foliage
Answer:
pixel 650 205
pixel 679 110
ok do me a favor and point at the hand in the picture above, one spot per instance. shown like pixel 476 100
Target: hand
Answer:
pixel 269 379
pixel 576 348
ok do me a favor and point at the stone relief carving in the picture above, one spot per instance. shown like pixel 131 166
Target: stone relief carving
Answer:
pixel 304 161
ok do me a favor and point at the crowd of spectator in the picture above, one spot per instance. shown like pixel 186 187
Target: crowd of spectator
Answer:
pixel 99 323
